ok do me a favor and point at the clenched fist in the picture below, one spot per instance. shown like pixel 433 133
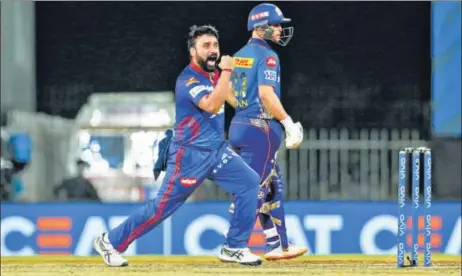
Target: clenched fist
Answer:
pixel 226 62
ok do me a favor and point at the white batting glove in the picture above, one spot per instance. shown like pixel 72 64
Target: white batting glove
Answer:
pixel 294 133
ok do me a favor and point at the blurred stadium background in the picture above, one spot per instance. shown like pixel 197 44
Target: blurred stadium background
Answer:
pixel 89 86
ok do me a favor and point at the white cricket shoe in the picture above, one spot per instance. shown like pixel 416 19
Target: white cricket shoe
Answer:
pixel 239 255
pixel 280 254
pixel 110 256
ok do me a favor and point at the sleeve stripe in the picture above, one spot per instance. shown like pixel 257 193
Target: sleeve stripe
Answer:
pixel 198 89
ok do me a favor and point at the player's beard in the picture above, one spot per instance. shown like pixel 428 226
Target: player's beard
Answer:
pixel 205 63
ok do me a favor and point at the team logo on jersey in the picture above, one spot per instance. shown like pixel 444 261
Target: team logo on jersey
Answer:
pixel 243 62
pixel 270 75
pixel 271 62
pixel 188 181
pixel 191 80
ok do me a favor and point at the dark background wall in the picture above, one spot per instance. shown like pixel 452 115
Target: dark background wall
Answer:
pixel 350 64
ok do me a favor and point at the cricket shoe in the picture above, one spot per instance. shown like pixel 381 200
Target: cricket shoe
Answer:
pixel 239 255
pixel 110 256
pixel 277 253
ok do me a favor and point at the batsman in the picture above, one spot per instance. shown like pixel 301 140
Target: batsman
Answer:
pixel 256 129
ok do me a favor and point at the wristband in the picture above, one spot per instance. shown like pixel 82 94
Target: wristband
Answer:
pixel 227 70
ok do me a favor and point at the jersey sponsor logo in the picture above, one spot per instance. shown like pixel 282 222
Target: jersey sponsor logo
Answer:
pixel 271 62
pixel 198 89
pixel 188 181
pixel 259 15
pixel 243 62
pixel 270 75
pixel 191 80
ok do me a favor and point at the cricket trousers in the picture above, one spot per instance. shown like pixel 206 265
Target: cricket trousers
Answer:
pixel 187 168
pixel 257 142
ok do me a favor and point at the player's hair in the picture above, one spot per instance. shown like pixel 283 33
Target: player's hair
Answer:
pixel 196 31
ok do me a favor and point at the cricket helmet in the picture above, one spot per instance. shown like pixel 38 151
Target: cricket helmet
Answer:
pixel 263 16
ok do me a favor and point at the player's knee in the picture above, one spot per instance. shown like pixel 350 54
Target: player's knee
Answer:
pixel 253 186
pixel 255 180
pixel 249 182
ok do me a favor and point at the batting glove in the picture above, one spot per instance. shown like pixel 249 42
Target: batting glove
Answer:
pixel 294 133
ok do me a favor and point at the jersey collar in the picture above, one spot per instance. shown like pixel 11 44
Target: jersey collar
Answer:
pixel 259 42
pixel 213 77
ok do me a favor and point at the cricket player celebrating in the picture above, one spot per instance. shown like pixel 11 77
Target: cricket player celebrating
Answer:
pixel 256 130
pixel 197 151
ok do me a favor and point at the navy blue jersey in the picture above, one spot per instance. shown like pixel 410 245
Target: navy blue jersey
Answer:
pixel 255 64
pixel 194 126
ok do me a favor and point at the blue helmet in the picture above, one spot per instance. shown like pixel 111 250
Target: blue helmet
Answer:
pixel 265 15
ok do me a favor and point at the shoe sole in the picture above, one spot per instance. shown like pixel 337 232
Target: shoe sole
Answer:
pixel 286 257
pixel 256 263
pixel 101 254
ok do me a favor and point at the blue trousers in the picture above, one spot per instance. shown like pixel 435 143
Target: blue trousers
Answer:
pixel 257 142
pixel 187 168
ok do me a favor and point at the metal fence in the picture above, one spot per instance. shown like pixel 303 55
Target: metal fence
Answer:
pixel 347 164
pixel 330 163
pixel 339 164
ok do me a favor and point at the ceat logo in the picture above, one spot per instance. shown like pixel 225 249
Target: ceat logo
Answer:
pixel 188 181
pixel 50 235
pixel 271 62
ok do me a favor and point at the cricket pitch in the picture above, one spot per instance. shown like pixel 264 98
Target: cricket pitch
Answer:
pixel 346 265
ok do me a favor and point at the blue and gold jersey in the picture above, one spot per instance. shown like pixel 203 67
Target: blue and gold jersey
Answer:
pixel 255 64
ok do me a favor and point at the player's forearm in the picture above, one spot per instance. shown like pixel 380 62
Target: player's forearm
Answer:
pixel 231 99
pixel 273 104
pixel 221 92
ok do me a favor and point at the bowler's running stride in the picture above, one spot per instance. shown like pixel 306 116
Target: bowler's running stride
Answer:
pixel 197 151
